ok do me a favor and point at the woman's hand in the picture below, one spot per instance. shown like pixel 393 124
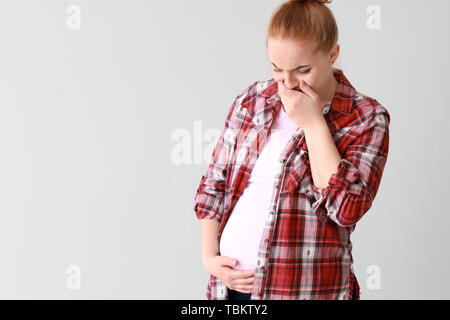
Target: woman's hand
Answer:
pixel 222 267
pixel 304 108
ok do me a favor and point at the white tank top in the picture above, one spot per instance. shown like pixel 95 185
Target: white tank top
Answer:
pixel 242 234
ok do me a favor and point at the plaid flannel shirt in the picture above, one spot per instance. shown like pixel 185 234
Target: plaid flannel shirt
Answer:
pixel 305 249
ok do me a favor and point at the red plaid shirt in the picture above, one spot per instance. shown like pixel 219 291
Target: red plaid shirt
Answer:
pixel 305 249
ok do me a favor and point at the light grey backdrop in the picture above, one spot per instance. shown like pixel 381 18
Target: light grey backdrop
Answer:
pixel 93 203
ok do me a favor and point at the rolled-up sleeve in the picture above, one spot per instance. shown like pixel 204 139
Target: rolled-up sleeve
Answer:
pixel 209 198
pixel 352 189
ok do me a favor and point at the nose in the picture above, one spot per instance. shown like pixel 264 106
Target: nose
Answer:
pixel 292 83
pixel 293 86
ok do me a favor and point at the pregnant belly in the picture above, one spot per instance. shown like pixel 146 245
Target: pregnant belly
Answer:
pixel 242 234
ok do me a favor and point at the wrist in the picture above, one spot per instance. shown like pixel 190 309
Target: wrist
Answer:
pixel 317 124
pixel 207 263
pixel 207 256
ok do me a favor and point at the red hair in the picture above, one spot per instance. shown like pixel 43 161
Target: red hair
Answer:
pixel 305 20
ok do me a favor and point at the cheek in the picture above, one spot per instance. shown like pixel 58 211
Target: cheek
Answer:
pixel 277 76
pixel 310 79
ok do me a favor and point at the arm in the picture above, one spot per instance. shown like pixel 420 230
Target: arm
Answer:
pixel 210 193
pixel 353 184
pixel 209 231
pixel 211 190
pixel 323 155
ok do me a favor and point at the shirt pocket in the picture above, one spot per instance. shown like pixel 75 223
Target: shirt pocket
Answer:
pixel 299 179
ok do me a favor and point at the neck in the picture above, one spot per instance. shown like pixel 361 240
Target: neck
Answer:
pixel 331 90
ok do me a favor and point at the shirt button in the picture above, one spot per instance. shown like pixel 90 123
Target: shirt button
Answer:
pixel 260 264
pixel 322 212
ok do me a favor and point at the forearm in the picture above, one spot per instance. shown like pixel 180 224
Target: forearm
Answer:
pixel 209 229
pixel 323 154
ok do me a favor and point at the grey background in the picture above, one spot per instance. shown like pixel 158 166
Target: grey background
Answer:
pixel 86 173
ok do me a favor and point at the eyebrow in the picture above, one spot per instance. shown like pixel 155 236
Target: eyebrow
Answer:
pixel 298 67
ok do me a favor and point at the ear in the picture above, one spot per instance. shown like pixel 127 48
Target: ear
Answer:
pixel 334 53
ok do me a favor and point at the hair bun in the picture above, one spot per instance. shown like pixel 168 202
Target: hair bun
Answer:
pixel 318 1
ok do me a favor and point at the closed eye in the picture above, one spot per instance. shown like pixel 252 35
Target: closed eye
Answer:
pixel 301 72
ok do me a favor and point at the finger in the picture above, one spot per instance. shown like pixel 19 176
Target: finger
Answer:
pixel 280 87
pixel 307 89
pixel 286 92
pixel 243 273
pixel 234 275
pixel 241 282
pixel 247 281
pixel 244 289
pixel 228 261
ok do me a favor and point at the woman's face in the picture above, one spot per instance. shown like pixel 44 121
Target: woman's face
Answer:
pixel 294 60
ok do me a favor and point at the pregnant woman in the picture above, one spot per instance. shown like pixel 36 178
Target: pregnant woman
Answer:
pixel 298 163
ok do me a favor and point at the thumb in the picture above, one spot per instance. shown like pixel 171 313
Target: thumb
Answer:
pixel 303 84
pixel 307 89
pixel 231 261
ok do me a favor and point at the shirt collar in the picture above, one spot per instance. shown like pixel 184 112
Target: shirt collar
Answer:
pixel 342 100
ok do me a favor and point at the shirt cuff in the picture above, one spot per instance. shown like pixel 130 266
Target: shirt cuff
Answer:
pixel 347 179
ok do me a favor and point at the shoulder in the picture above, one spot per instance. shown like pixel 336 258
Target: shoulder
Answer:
pixel 369 110
pixel 256 90
pixel 251 97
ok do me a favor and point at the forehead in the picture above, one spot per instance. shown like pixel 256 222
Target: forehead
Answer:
pixel 288 51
